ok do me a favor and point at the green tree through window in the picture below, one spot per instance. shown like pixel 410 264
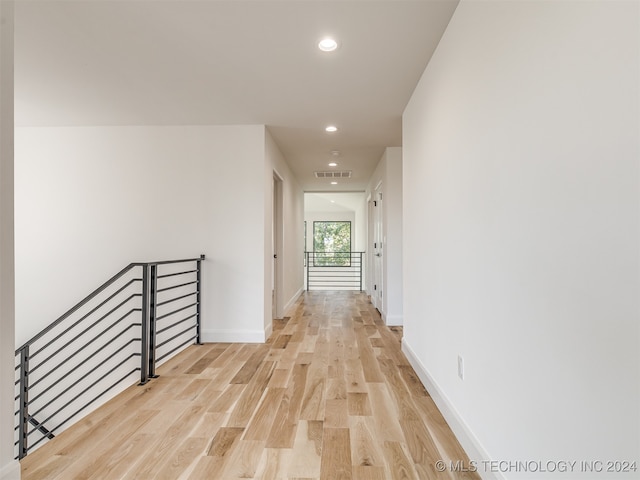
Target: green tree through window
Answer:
pixel 332 243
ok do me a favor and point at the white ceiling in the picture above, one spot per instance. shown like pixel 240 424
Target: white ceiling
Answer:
pixel 214 62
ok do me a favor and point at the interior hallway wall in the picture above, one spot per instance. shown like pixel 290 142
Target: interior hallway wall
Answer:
pixel 90 200
pixel 9 468
pixel 293 226
pixel 521 232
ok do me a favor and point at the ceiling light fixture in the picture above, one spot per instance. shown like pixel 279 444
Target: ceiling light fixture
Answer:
pixel 333 164
pixel 334 183
pixel 327 44
pixel 335 153
pixel 331 129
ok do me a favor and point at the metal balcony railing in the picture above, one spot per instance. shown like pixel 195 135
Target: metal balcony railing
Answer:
pixel 334 270
pixel 125 327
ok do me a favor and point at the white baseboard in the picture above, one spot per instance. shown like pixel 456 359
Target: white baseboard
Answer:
pixel 461 430
pixel 268 330
pixel 10 471
pixel 233 336
pixel 394 320
pixel 293 300
pixel 245 336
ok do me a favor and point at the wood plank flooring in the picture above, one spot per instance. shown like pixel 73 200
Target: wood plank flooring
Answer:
pixel 329 396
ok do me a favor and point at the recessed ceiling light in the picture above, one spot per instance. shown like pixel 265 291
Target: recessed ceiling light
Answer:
pixel 335 153
pixel 331 129
pixel 327 44
pixel 333 164
pixel 334 183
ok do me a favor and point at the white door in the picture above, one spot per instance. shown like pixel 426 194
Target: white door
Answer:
pixel 377 248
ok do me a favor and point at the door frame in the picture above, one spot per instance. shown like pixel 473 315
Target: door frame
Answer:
pixel 376 247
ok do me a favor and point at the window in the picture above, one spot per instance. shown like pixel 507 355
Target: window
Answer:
pixel 332 244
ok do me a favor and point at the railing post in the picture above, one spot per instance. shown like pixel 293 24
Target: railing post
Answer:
pixel 308 267
pixel 360 271
pixel 198 300
pixel 144 338
pixel 153 297
pixel 23 425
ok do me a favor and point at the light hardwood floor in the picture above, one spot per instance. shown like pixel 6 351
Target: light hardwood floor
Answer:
pixel 330 396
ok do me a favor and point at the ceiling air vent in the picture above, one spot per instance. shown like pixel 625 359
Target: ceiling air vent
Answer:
pixel 333 174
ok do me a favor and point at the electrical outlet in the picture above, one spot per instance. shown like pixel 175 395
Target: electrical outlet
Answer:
pixel 460 367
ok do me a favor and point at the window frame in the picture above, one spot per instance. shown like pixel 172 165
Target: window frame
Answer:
pixel 347 259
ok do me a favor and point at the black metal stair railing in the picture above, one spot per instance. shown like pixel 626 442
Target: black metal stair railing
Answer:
pixel 334 270
pixel 127 326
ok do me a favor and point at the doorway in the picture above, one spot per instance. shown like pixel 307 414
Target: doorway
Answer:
pixel 277 240
pixel 376 246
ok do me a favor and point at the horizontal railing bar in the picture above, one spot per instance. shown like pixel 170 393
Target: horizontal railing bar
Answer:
pixel 83 391
pixel 122 347
pixel 176 298
pixel 337 287
pixel 174 336
pixel 113 325
pixel 318 259
pixel 85 406
pixel 167 275
pixel 176 311
pixel 315 265
pixel 334 274
pixel 133 295
pixel 165 289
pixel 79 305
pixel 336 280
pixel 327 259
pixel 335 264
pixel 332 279
pixel 335 253
pixel 176 348
pixel 341 262
pixel 175 324
pixel 353 259
pixel 337 257
pixel 346 268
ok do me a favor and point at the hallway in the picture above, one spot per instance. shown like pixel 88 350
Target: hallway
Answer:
pixel 330 396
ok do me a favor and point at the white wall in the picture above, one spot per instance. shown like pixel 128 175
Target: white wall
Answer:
pixel 9 468
pixel 389 172
pixel 521 231
pixel 90 200
pixel 361 224
pixel 293 224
